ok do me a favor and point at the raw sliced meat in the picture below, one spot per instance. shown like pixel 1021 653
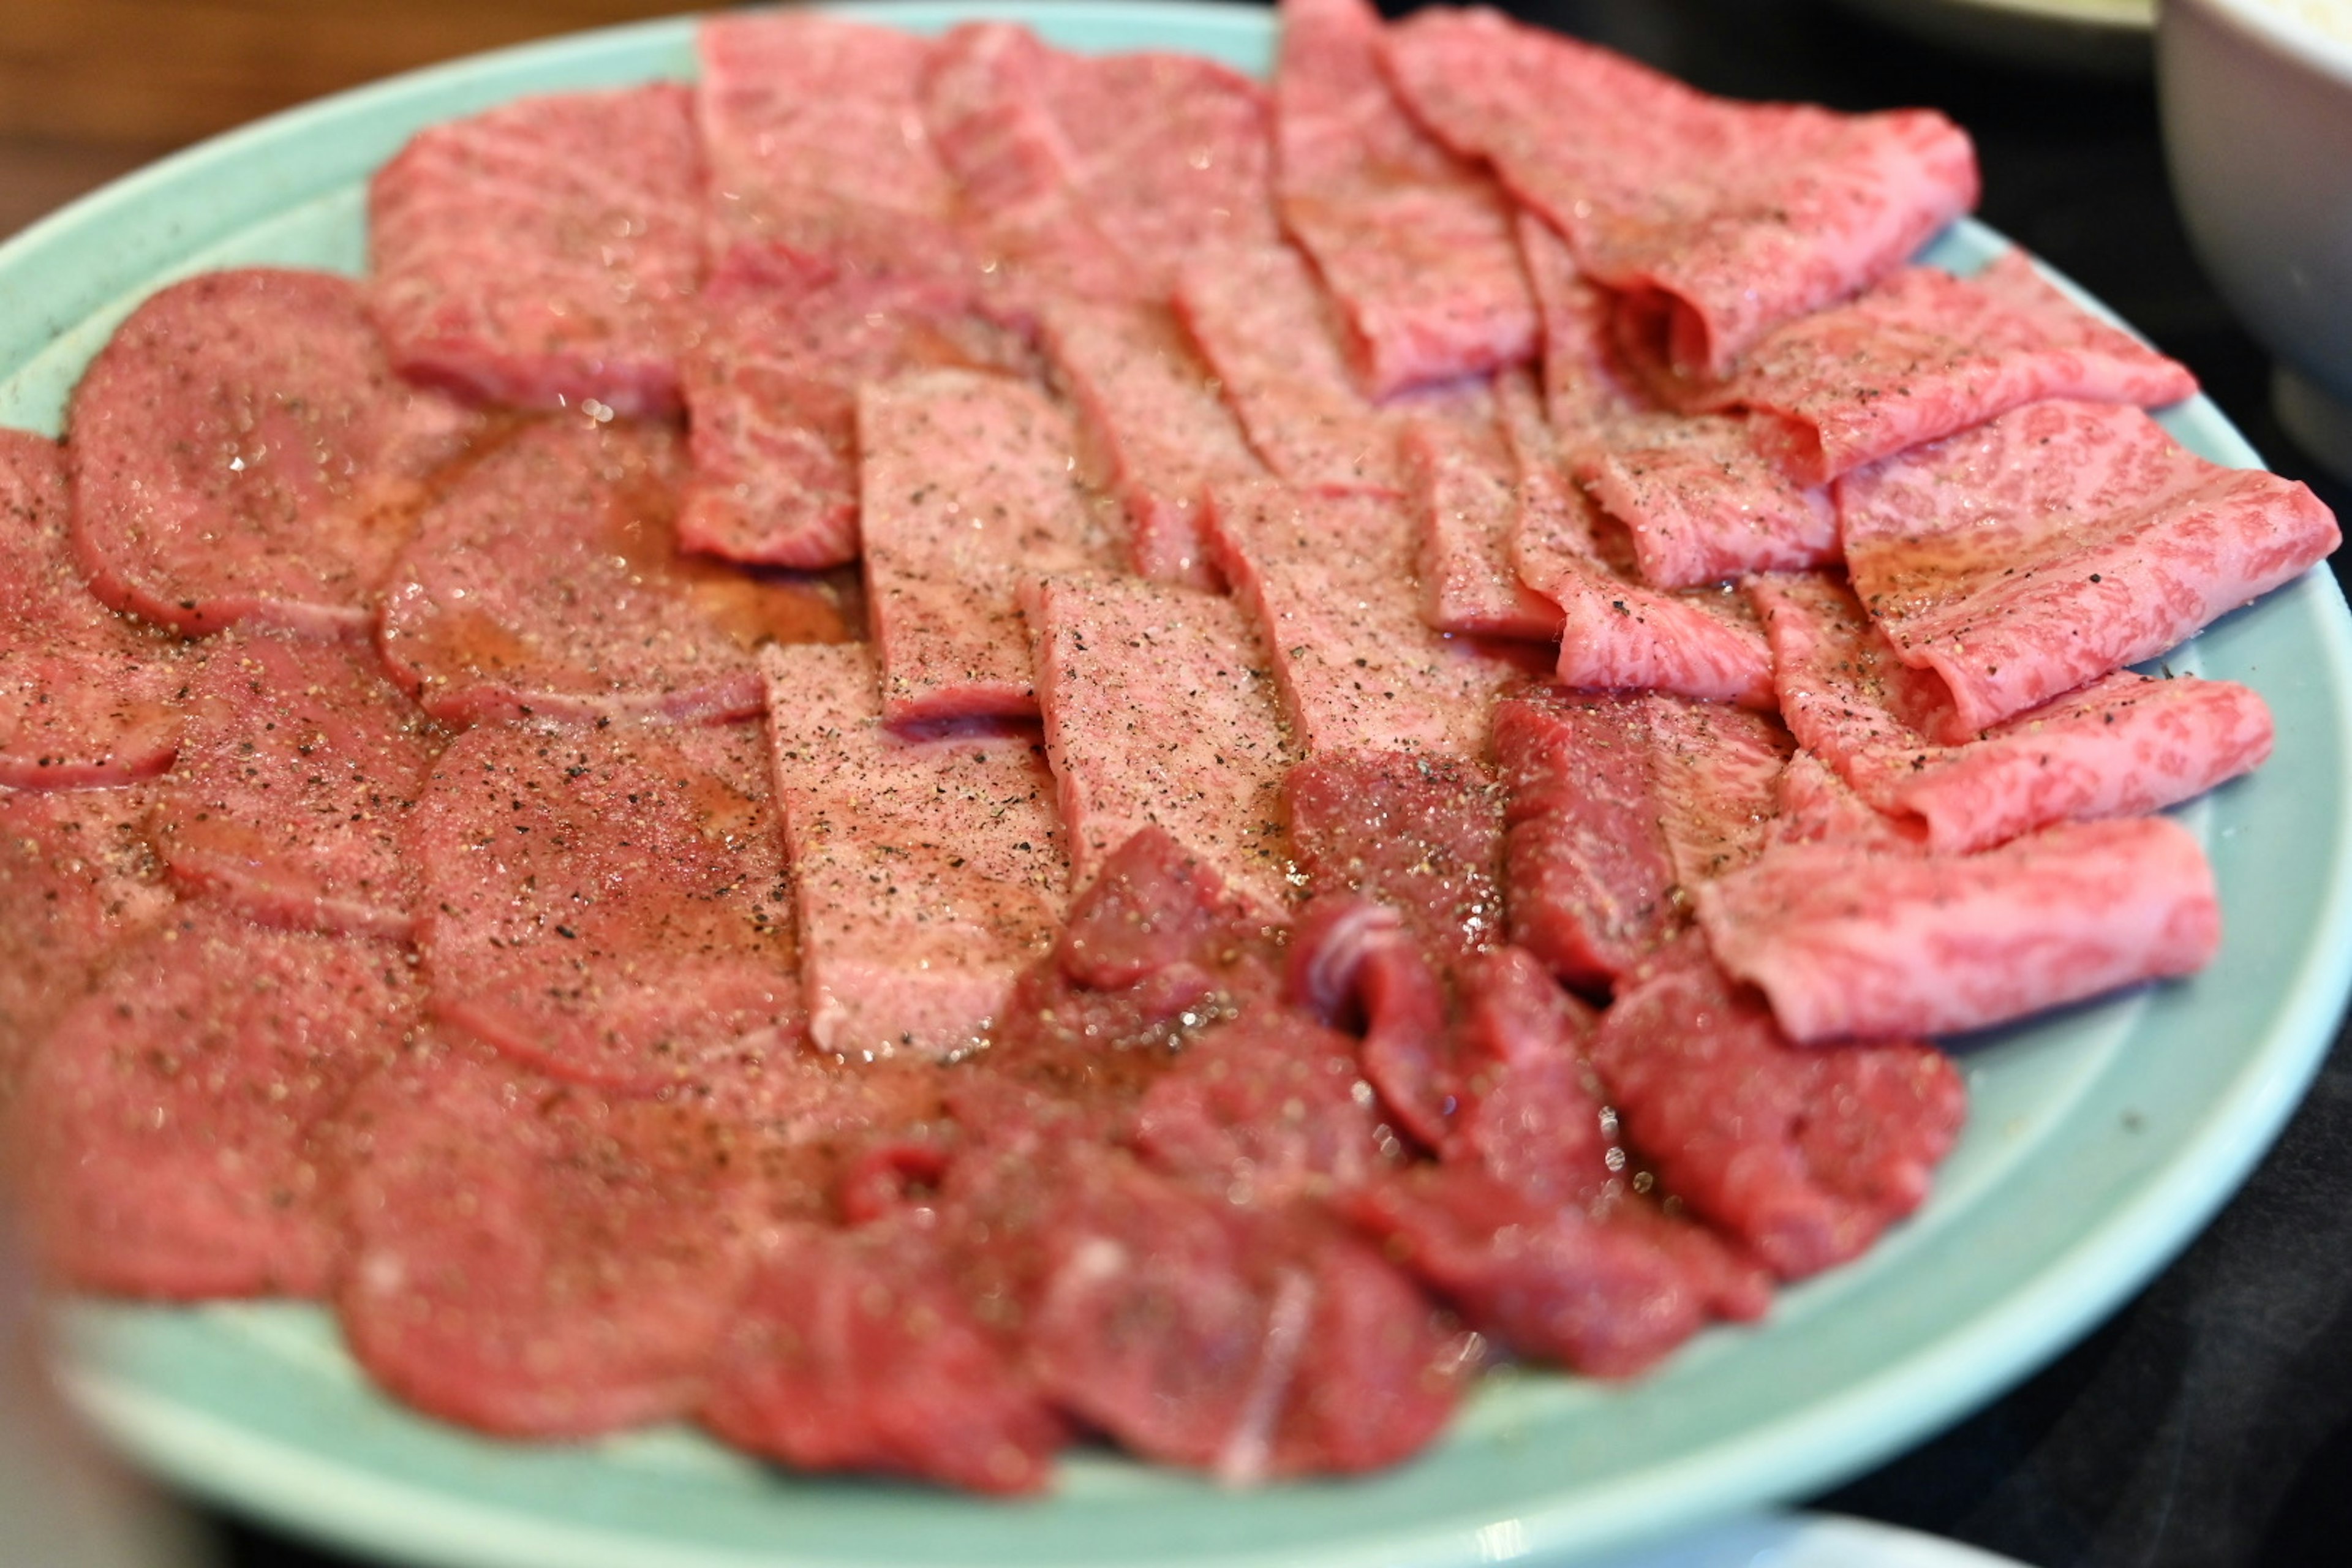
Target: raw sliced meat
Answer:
pixel 83 693
pixel 1160 711
pixel 1465 494
pixel 608 904
pixel 545 253
pixel 1924 355
pixel 1801 1155
pixel 1423 835
pixel 1329 580
pixel 549 582
pixel 167 1133
pixel 818 161
pixel 771 393
pixel 1414 243
pixel 1851 944
pixel 241 448
pixel 2120 746
pixel 930 869
pixel 1701 503
pixel 1730 217
pixel 298 766
pixel 1150 408
pixel 1585 379
pixel 1716 772
pixel 2059 543
pixel 1616 636
pixel 535 1259
pixel 969 492
pixel 1817 806
pixel 79 879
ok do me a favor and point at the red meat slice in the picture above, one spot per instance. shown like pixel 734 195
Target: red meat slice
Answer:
pixel 969 492
pixel 930 869
pixel 771 392
pixel 241 448
pixel 549 582
pixel 1730 217
pixel 83 693
pixel 1329 581
pixel 167 1133
pixel 813 128
pixel 1152 409
pixel 1851 943
pixel 2059 543
pixel 608 904
pixel 1802 1155
pixel 1423 835
pixel 1415 243
pixel 79 879
pixel 1160 711
pixel 1585 379
pixel 298 766
pixel 1924 355
pixel 2122 745
pixel 1465 495
pixel 544 253
pixel 534 1259
pixel 1701 503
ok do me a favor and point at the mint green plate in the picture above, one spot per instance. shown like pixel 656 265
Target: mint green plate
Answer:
pixel 2101 1140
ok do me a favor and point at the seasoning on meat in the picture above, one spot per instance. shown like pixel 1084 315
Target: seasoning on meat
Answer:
pixel 1465 498
pixel 78 881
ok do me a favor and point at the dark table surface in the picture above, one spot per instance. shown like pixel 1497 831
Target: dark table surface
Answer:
pixel 2208 1423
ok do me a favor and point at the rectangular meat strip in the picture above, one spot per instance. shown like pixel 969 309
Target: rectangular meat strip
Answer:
pixel 969 489
pixel 1701 501
pixel 1465 498
pixel 1415 242
pixel 1585 378
pixel 1160 711
pixel 927 871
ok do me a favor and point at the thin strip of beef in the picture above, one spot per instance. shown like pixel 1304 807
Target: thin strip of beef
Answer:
pixel 609 905
pixel 84 694
pixel 1701 502
pixel 1421 833
pixel 534 1259
pixel 549 582
pixel 1414 242
pixel 1586 381
pixel 298 766
pixel 544 253
pixel 241 448
pixel 1465 495
pixel 167 1134
pixel 1801 1155
pixel 928 870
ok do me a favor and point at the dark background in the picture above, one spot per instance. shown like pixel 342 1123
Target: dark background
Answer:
pixel 2209 1423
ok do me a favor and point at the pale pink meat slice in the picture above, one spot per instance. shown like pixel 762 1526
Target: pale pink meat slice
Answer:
pixel 930 869
pixel 546 252
pixel 1716 774
pixel 971 492
pixel 2059 543
pixel 299 764
pixel 84 694
pixel 1414 242
pixel 547 581
pixel 241 448
pixel 2122 745
pixel 608 904
pixel 1730 217
pixel 1586 380
pixel 1701 502
pixel 1151 409
pixel 1160 711
pixel 771 396
pixel 1329 581
pixel 167 1134
pixel 1924 355
pixel 535 1259
pixel 1617 635
pixel 817 157
pixel 1465 495
pixel 79 879
pixel 1849 943
pixel 1815 806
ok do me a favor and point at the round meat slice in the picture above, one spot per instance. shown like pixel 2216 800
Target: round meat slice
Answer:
pixel 84 694
pixel 77 879
pixel 531 1258
pixel 241 449
pixel 549 582
pixel 609 904
pixel 298 766
pixel 167 1131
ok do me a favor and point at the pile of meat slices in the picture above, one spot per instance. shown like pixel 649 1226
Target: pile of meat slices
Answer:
pixel 1462 661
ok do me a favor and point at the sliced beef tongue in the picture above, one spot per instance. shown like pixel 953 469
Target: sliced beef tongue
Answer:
pixel 1415 243
pixel 548 581
pixel 299 764
pixel 241 448
pixel 546 252
pixel 535 1259
pixel 168 1132
pixel 84 694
